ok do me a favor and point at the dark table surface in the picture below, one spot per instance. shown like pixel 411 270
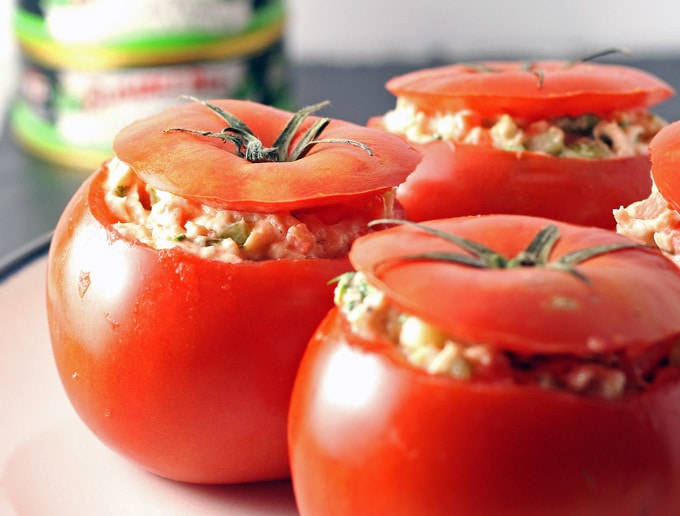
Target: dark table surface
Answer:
pixel 33 193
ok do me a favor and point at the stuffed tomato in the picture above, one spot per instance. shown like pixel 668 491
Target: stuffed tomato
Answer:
pixel 187 274
pixel 500 365
pixel 655 220
pixel 562 140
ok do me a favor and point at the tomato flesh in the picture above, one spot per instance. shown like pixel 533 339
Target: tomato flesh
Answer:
pixel 183 365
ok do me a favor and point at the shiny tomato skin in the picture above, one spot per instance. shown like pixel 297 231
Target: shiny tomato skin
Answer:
pixel 621 300
pixel 551 88
pixel 456 179
pixel 665 152
pixel 369 434
pixel 328 173
pixel 183 365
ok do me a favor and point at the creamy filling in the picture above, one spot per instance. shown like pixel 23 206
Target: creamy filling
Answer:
pixel 163 220
pixel 651 221
pixel 624 133
pixel 371 316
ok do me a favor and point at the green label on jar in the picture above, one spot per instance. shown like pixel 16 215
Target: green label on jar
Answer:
pixel 64 113
pixel 97 34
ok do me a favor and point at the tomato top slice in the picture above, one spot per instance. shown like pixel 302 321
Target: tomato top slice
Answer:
pixel 664 151
pixel 206 169
pixel 547 89
pixel 625 298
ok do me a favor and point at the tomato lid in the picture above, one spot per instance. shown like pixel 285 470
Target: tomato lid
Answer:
pixel 622 298
pixel 206 169
pixel 537 90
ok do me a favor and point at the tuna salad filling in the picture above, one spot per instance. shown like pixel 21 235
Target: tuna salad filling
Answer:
pixel 371 316
pixel 652 221
pixel 623 134
pixel 163 220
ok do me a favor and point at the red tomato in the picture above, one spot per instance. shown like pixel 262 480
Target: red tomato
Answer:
pixel 665 153
pixel 547 89
pixel 329 173
pixel 581 191
pixel 655 220
pixel 463 179
pixel 182 364
pixel 370 433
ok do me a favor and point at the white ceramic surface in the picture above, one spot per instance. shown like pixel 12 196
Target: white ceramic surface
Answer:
pixel 50 464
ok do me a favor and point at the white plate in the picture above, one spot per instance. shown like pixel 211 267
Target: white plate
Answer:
pixel 50 463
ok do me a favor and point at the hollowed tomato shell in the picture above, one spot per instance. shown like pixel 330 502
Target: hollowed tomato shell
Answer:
pixel 183 365
pixel 370 435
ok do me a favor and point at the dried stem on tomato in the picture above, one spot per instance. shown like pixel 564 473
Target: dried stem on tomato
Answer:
pixel 596 55
pixel 529 66
pixel 536 254
pixel 251 148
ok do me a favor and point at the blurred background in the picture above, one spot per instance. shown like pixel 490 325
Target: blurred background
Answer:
pixel 375 30
pixel 284 52
pixel 370 31
pixel 365 32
